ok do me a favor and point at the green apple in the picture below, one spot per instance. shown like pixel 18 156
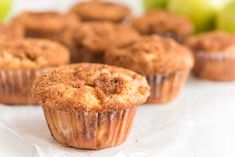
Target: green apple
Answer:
pixel 201 12
pixel 226 18
pixel 5 6
pixel 155 4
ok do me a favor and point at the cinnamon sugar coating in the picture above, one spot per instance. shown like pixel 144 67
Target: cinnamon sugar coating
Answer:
pixel 151 55
pixel 100 11
pixel 31 54
pixel 165 24
pixel 90 87
pixel 212 42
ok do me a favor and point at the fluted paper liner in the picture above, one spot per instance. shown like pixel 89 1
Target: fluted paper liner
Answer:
pixel 165 87
pixel 15 86
pixel 90 130
pixel 217 66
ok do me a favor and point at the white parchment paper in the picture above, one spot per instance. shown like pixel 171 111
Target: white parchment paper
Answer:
pixel 200 123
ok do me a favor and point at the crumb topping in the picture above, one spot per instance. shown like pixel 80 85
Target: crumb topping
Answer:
pixel 212 42
pixel 100 11
pixel 151 55
pixel 162 22
pixel 90 87
pixel 31 54
pixel 96 37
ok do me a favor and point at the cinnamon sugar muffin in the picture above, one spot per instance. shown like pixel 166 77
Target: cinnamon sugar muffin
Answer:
pixel 21 60
pixel 48 25
pixel 94 38
pixel 214 54
pixel 164 24
pixel 165 64
pixel 101 11
pixel 90 106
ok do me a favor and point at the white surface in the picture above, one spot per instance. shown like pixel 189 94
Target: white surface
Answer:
pixel 200 123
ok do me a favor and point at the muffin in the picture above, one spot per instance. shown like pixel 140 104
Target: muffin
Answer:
pixel 11 31
pixel 50 25
pixel 164 24
pixel 214 55
pixel 165 64
pixel 100 11
pixel 94 38
pixel 21 60
pixel 47 25
pixel 90 106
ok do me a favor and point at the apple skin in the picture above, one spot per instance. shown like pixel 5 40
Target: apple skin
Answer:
pixel 155 4
pixel 226 18
pixel 5 6
pixel 202 14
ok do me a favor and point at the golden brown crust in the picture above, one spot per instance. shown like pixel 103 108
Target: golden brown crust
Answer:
pixel 31 54
pixel 45 24
pixel 96 37
pixel 100 11
pixel 90 87
pixel 163 23
pixel 212 42
pixel 151 55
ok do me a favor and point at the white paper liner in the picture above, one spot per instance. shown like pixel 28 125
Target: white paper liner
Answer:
pixel 15 86
pixel 216 66
pixel 219 56
pixel 165 87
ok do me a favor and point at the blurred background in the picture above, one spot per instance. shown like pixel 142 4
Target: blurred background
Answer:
pixel 59 5
pixel 206 14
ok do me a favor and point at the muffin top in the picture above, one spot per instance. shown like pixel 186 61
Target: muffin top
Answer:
pixel 100 11
pixel 90 87
pixel 31 54
pixel 212 42
pixel 151 55
pixel 11 31
pixel 46 21
pixel 96 37
pixel 163 23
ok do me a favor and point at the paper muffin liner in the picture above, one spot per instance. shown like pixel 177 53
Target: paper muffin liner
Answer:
pixel 90 130
pixel 217 66
pixel 166 87
pixel 15 86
